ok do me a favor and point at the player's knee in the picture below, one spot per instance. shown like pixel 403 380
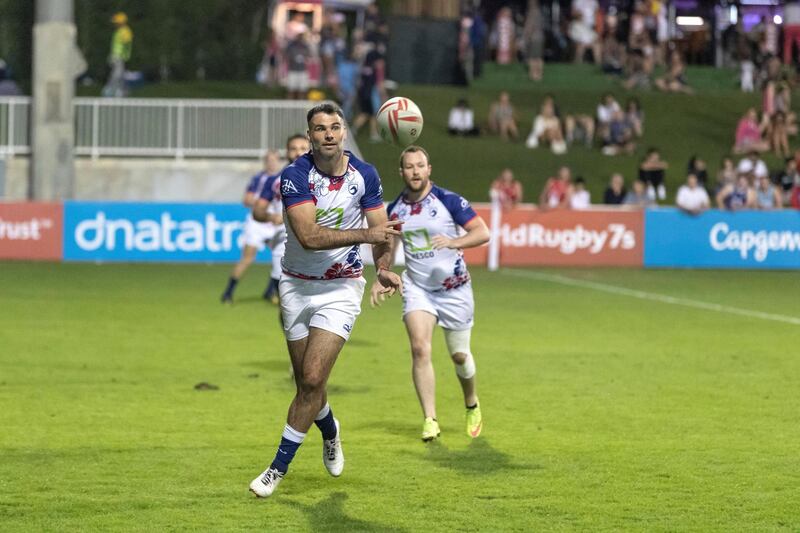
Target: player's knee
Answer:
pixel 312 383
pixel 458 346
pixel 466 368
pixel 458 358
pixel 421 350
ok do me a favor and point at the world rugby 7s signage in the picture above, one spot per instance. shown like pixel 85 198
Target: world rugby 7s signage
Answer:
pixel 112 231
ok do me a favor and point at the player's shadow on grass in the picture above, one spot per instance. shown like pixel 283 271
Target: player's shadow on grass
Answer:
pixel 478 458
pixel 329 515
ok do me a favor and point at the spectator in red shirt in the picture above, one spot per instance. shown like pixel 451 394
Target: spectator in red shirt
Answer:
pixel 508 190
pixel 557 191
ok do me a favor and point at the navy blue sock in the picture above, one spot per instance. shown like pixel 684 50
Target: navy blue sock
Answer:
pixel 325 423
pixel 231 286
pixel 290 442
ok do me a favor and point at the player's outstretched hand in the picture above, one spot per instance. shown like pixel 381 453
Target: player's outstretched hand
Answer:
pixel 384 232
pixel 385 285
pixel 440 241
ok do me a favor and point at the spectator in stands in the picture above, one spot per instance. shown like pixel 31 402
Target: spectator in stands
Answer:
pixel 652 171
pixel 620 136
pixel 768 196
pixel 502 118
pixel 298 53
pixel 788 177
pixel 582 30
pixel 371 76
pixel 726 175
pixel 794 197
pixel 614 54
pixel 477 40
pixel 737 196
pixel 752 164
pixel 675 78
pixel 791 30
pixel 697 167
pixel 332 50
pixel 295 27
pixel 748 134
pixel 692 198
pixel 637 196
pixel 635 116
pixel 579 128
pixel 777 135
pixel 504 37
pixel 615 192
pixel 121 48
pixel 461 120
pixel 580 197
pixel 547 129
pixel 507 190
pixel 8 86
pixel 605 113
pixel 557 191
pixel 638 70
pixel 533 34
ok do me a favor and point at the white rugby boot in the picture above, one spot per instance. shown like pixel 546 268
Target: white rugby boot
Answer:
pixel 332 454
pixel 265 484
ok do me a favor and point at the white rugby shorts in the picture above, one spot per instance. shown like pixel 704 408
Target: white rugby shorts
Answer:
pixel 453 309
pixel 332 305
pixel 257 234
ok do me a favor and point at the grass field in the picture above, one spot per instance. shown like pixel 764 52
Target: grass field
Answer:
pixel 602 411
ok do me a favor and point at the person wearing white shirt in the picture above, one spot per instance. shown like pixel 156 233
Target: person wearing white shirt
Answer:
pixel 461 120
pixel 752 164
pixel 580 199
pixel 692 198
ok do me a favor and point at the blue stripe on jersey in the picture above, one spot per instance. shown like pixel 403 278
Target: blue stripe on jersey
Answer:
pixel 457 205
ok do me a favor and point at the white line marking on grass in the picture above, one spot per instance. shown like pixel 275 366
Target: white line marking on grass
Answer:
pixel 652 296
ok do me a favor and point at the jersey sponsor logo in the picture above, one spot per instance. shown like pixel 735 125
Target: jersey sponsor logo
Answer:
pixel 417 240
pixel 464 203
pixel 287 187
pixel 323 214
pixel 353 189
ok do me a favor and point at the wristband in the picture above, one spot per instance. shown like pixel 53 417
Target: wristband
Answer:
pixel 382 268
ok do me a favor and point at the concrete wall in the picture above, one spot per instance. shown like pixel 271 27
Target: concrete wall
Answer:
pixel 167 180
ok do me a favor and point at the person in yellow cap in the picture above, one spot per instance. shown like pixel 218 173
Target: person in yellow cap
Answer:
pixel 121 47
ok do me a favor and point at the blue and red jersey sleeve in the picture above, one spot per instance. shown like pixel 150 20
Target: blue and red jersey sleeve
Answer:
pixel 458 206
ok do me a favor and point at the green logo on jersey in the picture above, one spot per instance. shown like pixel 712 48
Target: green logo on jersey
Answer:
pixel 417 240
pixel 325 213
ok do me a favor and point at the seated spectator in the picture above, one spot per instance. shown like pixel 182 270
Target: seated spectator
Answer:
pixel 507 189
pixel 581 29
pixel 697 167
pixel 768 196
pixel 579 129
pixel 783 104
pixel 787 178
pixel 692 198
pixel 726 175
pixel 777 135
pixel 580 197
pixel 502 118
pixel 615 192
pixel 752 164
pixel 737 196
pixel 614 52
pixel 635 116
pixel 794 197
pixel 557 191
pixel 675 78
pixel 605 113
pixel 638 71
pixel 462 120
pixel 620 136
pixel 637 196
pixel 547 129
pixel 652 171
pixel 748 134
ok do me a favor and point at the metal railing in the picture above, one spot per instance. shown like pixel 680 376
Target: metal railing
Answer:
pixel 151 127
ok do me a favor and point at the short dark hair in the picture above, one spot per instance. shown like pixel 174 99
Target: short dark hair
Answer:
pixel 413 149
pixel 329 108
pixel 295 136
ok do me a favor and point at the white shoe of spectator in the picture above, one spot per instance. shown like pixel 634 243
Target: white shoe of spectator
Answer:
pixel 532 141
pixel 662 192
pixel 558 147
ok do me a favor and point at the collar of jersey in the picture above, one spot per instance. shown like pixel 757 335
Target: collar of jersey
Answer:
pixel 421 199
pixel 331 177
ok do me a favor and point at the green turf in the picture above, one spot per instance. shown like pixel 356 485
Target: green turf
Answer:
pixel 602 412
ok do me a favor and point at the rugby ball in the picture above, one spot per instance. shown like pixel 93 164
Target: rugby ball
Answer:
pixel 399 121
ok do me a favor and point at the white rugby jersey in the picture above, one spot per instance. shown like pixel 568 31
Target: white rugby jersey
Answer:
pixel 271 192
pixel 441 212
pixel 341 202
